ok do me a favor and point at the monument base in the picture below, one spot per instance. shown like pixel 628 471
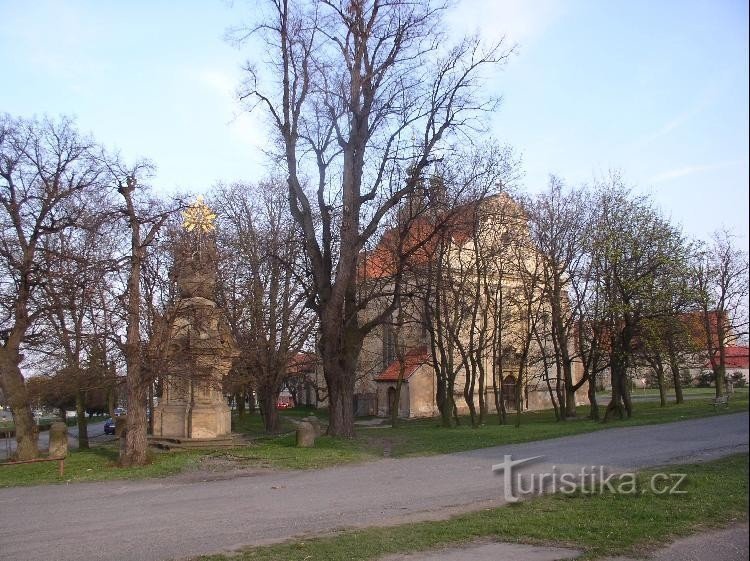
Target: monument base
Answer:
pixel 199 421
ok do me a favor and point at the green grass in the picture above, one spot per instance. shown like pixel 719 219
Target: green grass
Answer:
pixel 411 438
pixel 607 524
pixel 281 452
pixel 422 437
pixel 96 464
pixel 687 392
pixel 276 452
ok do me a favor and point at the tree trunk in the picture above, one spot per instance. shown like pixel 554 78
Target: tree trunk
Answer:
pixel 677 380
pixel 14 388
pixel 396 404
pixel 483 408
pixel 497 390
pixel 560 392
pixel 340 405
pixel 619 381
pixel 570 394
pixel 443 403
pixel 150 412
pixel 340 395
pixel 239 399
pixel 674 366
pixel 719 378
pixel 551 393
pixel 267 398
pixel 593 405
pixel 111 402
pixel 519 395
pixel 659 368
pixel 469 393
pixel 83 429
pixel 338 368
pixel 620 403
pixel 136 439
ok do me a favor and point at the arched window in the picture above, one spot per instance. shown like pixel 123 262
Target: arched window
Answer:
pixel 389 343
pixel 509 391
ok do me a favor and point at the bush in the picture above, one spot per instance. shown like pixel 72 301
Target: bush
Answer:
pixel 737 379
pixel 705 379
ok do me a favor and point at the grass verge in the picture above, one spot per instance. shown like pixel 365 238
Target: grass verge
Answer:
pixel 607 524
pixel 96 464
pixel 424 437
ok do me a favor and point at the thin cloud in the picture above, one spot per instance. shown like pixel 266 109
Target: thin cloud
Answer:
pixel 676 173
pixel 708 97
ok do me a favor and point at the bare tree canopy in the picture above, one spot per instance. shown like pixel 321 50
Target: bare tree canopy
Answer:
pixel 46 169
pixel 262 287
pixel 363 96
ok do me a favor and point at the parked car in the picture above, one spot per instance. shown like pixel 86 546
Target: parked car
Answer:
pixel 109 426
pixel 283 405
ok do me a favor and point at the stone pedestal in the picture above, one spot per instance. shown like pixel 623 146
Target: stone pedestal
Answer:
pixel 201 421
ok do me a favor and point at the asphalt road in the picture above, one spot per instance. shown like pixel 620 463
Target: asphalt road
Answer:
pixel 165 519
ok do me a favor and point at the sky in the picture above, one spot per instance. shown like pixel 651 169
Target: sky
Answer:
pixel 657 90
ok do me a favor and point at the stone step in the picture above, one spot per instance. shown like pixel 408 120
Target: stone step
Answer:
pixel 169 443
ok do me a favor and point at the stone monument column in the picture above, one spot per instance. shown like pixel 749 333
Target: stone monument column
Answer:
pixel 199 346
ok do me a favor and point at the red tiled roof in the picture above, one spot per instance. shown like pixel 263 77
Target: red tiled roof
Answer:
pixel 412 361
pixel 735 357
pixel 418 243
pixel 302 362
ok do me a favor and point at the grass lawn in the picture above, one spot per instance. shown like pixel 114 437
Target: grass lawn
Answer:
pixel 607 524
pixel 687 392
pixel 419 437
pixel 96 464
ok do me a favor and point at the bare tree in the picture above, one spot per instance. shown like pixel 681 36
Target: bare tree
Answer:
pixel 77 262
pixel 145 219
pixel 529 309
pixel 263 254
pixel 720 276
pixel 45 168
pixel 363 94
pixel 558 219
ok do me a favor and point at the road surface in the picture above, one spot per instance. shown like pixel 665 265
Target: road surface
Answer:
pixel 167 518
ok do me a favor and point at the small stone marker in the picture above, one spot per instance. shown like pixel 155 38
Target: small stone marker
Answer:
pixel 315 422
pixel 58 440
pixel 305 435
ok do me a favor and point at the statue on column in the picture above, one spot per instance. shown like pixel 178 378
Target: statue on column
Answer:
pixel 198 348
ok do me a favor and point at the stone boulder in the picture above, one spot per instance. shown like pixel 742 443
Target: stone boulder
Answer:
pixel 305 435
pixel 315 422
pixel 58 440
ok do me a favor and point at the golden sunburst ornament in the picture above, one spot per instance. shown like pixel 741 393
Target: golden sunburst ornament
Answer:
pixel 199 216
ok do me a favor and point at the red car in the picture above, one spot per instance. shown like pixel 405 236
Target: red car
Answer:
pixel 283 405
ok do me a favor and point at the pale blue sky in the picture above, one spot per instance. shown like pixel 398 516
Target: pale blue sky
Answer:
pixel 658 89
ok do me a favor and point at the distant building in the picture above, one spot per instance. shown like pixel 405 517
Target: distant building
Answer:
pixel 502 226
